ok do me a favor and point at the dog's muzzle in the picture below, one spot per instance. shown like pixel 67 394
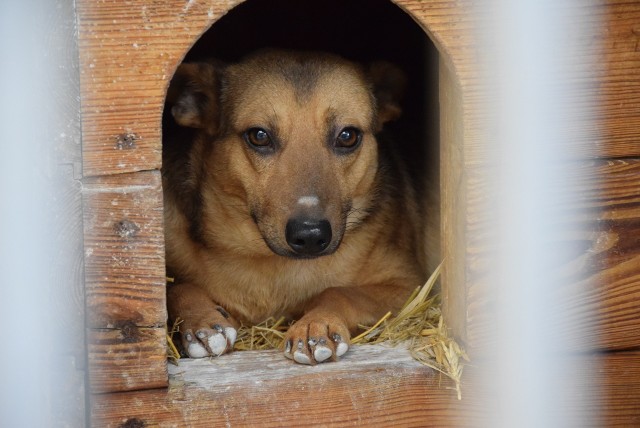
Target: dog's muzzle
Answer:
pixel 308 237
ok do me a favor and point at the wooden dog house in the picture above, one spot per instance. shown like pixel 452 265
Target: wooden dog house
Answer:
pixel 128 52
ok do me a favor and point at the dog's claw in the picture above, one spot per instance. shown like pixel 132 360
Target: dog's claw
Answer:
pixel 341 346
pixel 287 350
pixel 231 335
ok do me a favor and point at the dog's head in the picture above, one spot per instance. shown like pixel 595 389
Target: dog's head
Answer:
pixel 291 142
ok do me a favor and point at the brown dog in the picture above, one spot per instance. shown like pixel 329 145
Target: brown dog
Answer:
pixel 281 202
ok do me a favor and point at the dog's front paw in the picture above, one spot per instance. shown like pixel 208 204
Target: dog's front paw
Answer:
pixel 209 336
pixel 316 339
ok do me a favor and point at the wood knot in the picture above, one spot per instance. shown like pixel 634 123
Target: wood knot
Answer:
pixel 126 141
pixel 129 332
pixel 126 229
pixel 133 423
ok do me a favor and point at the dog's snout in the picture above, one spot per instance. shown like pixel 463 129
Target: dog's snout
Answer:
pixel 308 237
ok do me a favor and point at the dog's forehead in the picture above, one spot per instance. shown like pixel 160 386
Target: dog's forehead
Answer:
pixel 280 86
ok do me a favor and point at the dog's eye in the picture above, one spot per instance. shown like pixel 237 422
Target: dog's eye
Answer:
pixel 258 138
pixel 348 139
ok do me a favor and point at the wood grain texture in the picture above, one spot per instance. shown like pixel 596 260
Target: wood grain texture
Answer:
pixel 596 254
pixel 60 105
pixel 125 281
pixel 617 379
pixel 615 86
pixel 453 202
pixel 128 53
pixel 62 135
pixel 592 390
pixel 66 302
pixel 124 250
pixel 370 386
pixel 128 358
pixel 606 95
pixel 63 86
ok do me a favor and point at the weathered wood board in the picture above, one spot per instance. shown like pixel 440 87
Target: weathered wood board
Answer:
pixel 596 254
pixel 57 54
pixel 128 358
pixel 615 88
pixel 371 385
pixel 125 281
pixel 124 250
pixel 128 53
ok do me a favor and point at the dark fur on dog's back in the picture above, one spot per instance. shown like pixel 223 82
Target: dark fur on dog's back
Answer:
pixel 229 196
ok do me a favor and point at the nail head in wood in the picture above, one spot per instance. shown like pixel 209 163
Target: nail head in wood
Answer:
pixel 126 229
pixel 126 141
pixel 133 423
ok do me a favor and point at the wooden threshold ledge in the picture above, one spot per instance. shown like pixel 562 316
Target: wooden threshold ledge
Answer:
pixel 370 386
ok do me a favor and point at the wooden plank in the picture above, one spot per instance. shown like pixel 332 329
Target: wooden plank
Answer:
pixel 606 91
pixel 370 386
pixel 128 53
pixel 592 390
pixel 125 281
pixel 615 52
pixel 124 250
pixel 63 135
pixel 66 300
pixel 597 256
pixel 453 205
pixel 617 379
pixel 127 358
pixel 60 106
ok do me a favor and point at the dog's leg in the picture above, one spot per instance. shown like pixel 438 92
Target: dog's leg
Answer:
pixel 324 332
pixel 206 329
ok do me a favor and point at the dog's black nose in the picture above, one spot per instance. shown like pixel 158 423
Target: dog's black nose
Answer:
pixel 308 237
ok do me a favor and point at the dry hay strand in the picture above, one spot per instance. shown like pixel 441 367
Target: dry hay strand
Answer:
pixel 173 355
pixel 268 334
pixel 419 326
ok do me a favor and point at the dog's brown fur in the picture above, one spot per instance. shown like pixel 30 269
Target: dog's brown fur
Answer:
pixel 227 204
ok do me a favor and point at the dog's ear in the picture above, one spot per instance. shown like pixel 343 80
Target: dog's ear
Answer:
pixel 389 83
pixel 194 96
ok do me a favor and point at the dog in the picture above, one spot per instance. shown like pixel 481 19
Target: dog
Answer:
pixel 280 201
